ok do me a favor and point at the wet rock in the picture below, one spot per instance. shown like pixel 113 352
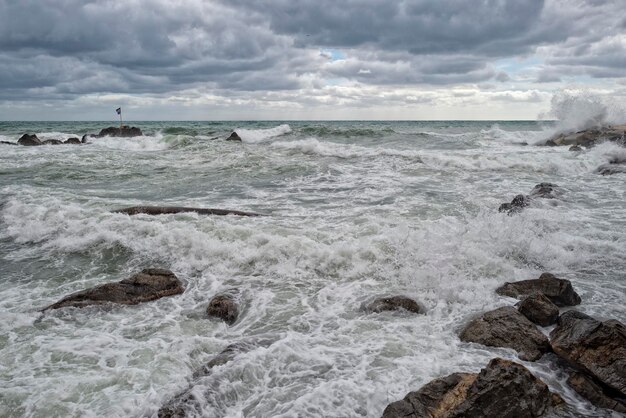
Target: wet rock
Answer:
pixel 29 140
pixel 539 309
pixel 518 203
pixel 168 210
pixel 506 327
pixel 559 291
pixel 224 307
pixel 233 137
pixel 576 148
pixel 52 142
pixel 85 138
pixel 611 168
pixel 545 190
pixel 598 348
pixel 589 137
pixel 502 389
pixel 148 285
pixel 8 143
pixel 121 132
pixel 394 303
pixel 74 141
pixel 586 387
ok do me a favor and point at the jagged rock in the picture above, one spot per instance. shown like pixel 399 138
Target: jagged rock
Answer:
pixel 586 387
pixel 539 309
pixel 148 285
pixel 224 307
pixel 545 190
pixel 29 140
pixel 598 348
pixel 52 142
pixel 233 137
pixel 168 210
pixel 74 141
pixel 506 327
pixel 611 168
pixel 394 303
pixel 121 132
pixel 559 291
pixel 517 204
pixel 502 389
pixel 575 148
pixel 589 137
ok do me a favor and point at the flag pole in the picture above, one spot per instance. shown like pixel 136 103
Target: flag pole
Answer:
pixel 121 123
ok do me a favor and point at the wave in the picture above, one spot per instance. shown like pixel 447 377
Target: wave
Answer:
pixel 313 146
pixel 325 131
pixel 158 142
pixel 252 136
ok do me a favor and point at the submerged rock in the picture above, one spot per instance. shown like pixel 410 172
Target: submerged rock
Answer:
pixel 29 140
pixel 589 137
pixel 168 210
pixel 8 143
pixel 611 168
pixel 233 137
pixel 148 285
pixel 586 387
pixel 598 348
pixel 545 190
pixel 502 389
pixel 394 303
pixel 119 132
pixel 74 141
pixel 575 148
pixel 506 327
pixel 518 203
pixel 52 142
pixel 559 291
pixel 539 309
pixel 224 307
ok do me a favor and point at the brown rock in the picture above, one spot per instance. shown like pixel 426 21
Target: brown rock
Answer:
pixel 29 140
pixel 539 309
pixel 586 387
pixel 223 307
pixel 559 291
pixel 168 210
pixel 598 348
pixel 148 285
pixel 75 141
pixel 502 389
pixel 233 137
pixel 394 303
pixel 506 327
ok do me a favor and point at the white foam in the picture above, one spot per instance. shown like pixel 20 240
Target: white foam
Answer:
pixel 258 135
pixel 139 143
pixel 313 146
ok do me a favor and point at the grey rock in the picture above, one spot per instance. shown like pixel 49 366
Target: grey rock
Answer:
pixel 539 309
pixel 559 291
pixel 168 210
pixel 394 303
pixel 234 137
pixel 29 140
pixel 74 141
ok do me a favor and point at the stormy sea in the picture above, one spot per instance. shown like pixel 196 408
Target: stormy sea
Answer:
pixel 351 212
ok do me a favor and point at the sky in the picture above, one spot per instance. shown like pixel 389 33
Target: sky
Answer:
pixel 307 59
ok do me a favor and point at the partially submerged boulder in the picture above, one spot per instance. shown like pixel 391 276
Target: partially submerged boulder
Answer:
pixel 545 190
pixel 559 291
pixel 539 309
pixel 29 140
pixel 394 303
pixel 589 137
pixel 148 285
pixel 120 132
pixel 598 348
pixel 611 168
pixel 506 327
pixel 168 210
pixel 575 148
pixel 73 140
pixel 586 387
pixel 502 389
pixel 234 137
pixel 518 203
pixel 225 307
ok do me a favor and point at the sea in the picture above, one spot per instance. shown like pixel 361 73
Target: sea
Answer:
pixel 354 210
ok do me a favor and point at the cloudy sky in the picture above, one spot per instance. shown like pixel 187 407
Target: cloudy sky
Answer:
pixel 306 59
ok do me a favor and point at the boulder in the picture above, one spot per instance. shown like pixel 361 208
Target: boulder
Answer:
pixel 121 132
pixel 559 291
pixel 589 137
pixel 586 387
pixel 506 327
pixel 539 309
pixel 611 168
pixel 518 203
pixel 148 285
pixel 29 140
pixel 598 348
pixel 74 141
pixel 502 389
pixel 576 148
pixel 52 142
pixel 169 210
pixel 394 303
pixel 224 307
pixel 233 137
pixel 545 190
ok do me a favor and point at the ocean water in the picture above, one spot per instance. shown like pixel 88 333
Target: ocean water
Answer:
pixel 355 210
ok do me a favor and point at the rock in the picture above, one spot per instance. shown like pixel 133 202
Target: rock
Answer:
pixel 52 142
pixel 575 148
pixel 545 190
pixel 168 210
pixel 506 327
pixel 598 348
pixel 394 303
pixel 29 140
pixel 85 138
pixel 586 387
pixel 502 389
pixel 223 307
pixel 517 204
pixel 233 137
pixel 589 137
pixel 610 169
pixel 74 141
pixel 123 132
pixel 559 291
pixel 539 309
pixel 8 143
pixel 148 285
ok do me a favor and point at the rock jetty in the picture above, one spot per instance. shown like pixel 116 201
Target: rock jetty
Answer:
pixel 168 210
pixel 588 137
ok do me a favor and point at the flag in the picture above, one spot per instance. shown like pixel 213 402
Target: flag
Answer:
pixel 119 110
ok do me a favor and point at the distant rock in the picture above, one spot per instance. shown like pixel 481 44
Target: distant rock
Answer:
pixel 539 309
pixel 506 327
pixel 123 132
pixel 74 141
pixel 148 285
pixel 559 291
pixel 519 202
pixel 224 307
pixel 8 143
pixel 168 210
pixel 589 389
pixel 233 137
pixel 29 140
pixel 52 142
pixel 394 303
pixel 502 389
pixel 589 137
pixel 598 348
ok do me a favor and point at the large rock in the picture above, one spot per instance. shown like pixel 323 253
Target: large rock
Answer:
pixel 589 137
pixel 121 132
pixel 73 140
pixel 234 137
pixel 224 307
pixel 559 291
pixel 29 140
pixel 598 348
pixel 502 389
pixel 394 303
pixel 169 210
pixel 148 285
pixel 506 327
pixel 539 309
pixel 586 387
